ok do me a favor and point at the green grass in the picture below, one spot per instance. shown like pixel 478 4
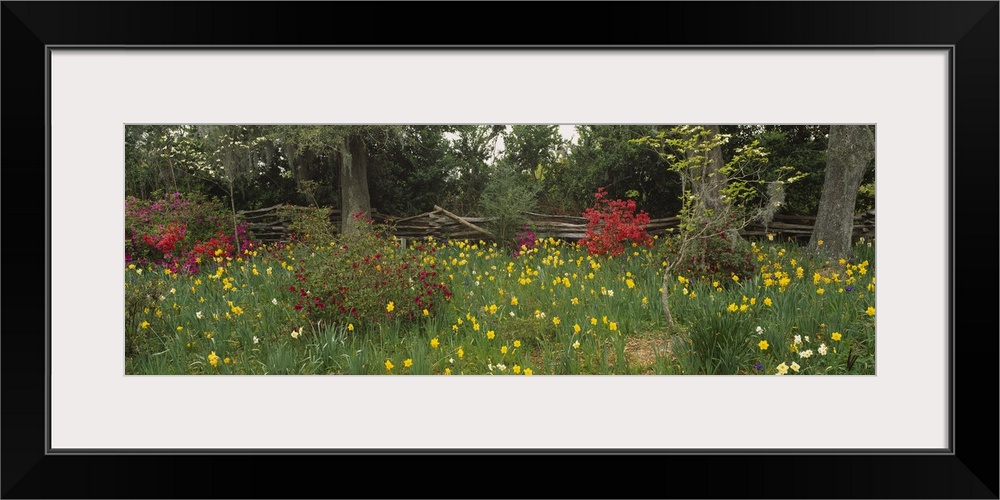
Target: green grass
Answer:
pixel 573 314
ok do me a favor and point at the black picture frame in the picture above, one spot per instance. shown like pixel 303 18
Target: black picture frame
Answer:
pixel 968 471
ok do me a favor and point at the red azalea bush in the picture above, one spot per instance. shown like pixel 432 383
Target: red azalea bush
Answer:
pixel 612 223
pixel 179 232
pixel 357 277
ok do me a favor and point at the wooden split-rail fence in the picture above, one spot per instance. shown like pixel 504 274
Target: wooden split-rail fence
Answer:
pixel 270 225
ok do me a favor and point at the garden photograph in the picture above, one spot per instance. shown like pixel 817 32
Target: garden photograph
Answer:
pixel 499 249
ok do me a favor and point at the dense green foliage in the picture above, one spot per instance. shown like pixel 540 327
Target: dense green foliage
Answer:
pixel 414 167
pixel 604 157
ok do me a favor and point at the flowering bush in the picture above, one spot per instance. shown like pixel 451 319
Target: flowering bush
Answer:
pixel 366 277
pixel 180 232
pixel 611 223
pixel 525 241
pixel 718 256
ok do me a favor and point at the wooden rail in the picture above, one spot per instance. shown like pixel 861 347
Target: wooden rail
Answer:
pixel 268 225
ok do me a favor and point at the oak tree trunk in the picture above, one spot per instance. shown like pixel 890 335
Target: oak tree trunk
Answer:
pixel 850 152
pixel 353 182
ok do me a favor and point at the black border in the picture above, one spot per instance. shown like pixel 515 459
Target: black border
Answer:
pixel 971 28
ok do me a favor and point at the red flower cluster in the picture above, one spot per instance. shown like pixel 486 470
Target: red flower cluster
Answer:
pixel 175 231
pixel 611 223
pixel 219 242
pixel 167 239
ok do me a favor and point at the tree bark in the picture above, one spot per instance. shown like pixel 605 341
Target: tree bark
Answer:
pixel 353 183
pixel 850 152
pixel 708 185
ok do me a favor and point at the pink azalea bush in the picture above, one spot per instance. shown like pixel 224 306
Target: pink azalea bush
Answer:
pixel 180 232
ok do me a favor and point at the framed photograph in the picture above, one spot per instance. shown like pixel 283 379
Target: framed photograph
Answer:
pixel 924 74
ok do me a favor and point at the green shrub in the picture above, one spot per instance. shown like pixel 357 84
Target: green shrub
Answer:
pixel 504 199
pixel 140 295
pixel 718 256
pixel 366 277
pixel 309 225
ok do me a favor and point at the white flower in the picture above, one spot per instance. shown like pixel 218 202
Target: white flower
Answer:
pixel 490 366
pixel 795 366
pixel 611 293
pixel 760 330
pixel 198 315
pixel 296 333
pixel 162 298
pixel 256 340
pixel 274 301
pixel 451 360
pixel 822 349
pixel 807 339
pixel 502 367
pixel 512 314
pixel 782 369
pixel 798 340
pixel 805 354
